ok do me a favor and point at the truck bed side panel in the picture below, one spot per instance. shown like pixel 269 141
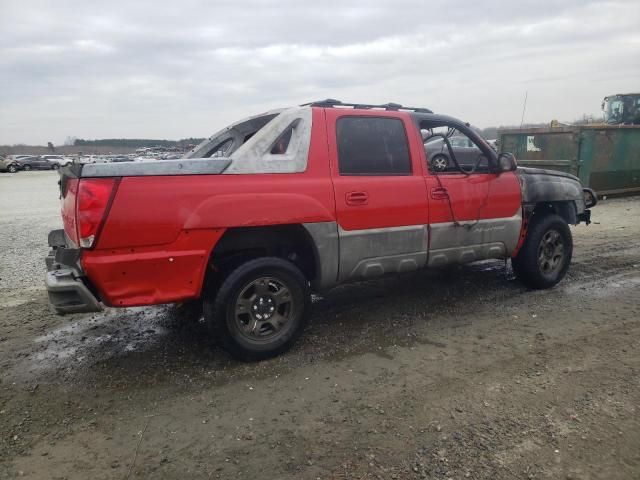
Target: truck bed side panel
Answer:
pixel 161 230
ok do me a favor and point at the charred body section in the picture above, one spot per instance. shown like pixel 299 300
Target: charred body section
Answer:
pixel 224 142
pixel 557 192
pixel 274 142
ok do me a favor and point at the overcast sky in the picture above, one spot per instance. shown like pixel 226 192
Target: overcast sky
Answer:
pixel 175 69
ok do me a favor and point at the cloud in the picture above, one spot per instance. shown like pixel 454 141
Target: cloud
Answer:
pixel 179 69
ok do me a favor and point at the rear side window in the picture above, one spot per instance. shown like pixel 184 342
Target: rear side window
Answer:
pixel 372 146
pixel 281 145
pixel 220 150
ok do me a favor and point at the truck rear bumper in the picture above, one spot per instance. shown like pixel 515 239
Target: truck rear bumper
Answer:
pixel 67 294
pixel 66 287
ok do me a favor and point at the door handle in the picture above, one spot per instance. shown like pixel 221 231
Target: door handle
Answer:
pixel 357 198
pixel 439 193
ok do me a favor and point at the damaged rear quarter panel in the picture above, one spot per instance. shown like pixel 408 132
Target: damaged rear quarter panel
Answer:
pixel 127 277
pixel 160 231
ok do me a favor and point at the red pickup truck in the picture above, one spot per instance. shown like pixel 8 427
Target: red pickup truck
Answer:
pixel 299 200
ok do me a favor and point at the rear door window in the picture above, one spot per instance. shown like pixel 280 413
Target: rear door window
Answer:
pixel 372 146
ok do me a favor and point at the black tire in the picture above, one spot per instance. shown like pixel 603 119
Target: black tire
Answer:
pixel 546 253
pixel 26 168
pixel 230 315
pixel 55 166
pixel 439 163
pixel 12 169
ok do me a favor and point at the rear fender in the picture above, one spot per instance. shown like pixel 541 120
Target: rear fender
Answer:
pixel 245 210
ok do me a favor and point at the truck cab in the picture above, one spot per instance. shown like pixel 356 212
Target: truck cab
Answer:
pixel 622 109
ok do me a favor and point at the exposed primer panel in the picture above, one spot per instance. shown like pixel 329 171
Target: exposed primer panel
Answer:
pixel 255 155
pixel 375 267
pixel 345 255
pixel 193 166
pixel 372 252
pixel 471 241
pixel 466 254
pixel 327 245
pixel 235 132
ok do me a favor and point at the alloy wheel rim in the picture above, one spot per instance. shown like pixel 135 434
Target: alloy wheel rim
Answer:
pixel 550 252
pixel 263 308
pixel 439 163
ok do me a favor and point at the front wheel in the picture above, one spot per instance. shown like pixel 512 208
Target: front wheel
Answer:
pixel 12 169
pixel 27 168
pixel 260 309
pixel 546 253
pixel 55 166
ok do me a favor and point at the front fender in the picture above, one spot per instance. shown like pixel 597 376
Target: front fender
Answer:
pixel 540 186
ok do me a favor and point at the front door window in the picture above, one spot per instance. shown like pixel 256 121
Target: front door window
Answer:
pixel 449 150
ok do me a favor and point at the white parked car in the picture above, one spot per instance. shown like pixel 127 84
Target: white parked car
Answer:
pixel 59 159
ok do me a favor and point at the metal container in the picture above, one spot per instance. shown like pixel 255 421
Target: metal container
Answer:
pixel 604 157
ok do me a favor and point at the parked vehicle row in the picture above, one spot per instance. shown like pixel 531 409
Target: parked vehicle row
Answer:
pixel 14 163
pixel 37 163
pixel 8 164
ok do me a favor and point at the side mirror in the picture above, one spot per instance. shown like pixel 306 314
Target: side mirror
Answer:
pixel 507 162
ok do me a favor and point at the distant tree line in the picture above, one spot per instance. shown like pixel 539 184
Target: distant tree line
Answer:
pixel 135 142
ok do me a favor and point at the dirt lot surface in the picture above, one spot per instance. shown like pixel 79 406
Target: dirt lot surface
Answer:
pixel 461 373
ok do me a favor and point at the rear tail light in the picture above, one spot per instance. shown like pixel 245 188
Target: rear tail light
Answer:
pixel 69 192
pixel 92 204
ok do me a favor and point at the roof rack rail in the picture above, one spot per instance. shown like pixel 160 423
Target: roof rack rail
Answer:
pixel 331 102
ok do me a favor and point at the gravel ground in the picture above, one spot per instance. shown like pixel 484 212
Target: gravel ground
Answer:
pixel 30 209
pixel 457 373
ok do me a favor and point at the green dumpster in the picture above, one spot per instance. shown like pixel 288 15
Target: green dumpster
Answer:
pixel 604 157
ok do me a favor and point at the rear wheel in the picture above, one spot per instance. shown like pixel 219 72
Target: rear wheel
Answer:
pixel 546 253
pixel 260 308
pixel 55 166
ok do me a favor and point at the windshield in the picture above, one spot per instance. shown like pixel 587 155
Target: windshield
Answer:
pixel 622 109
